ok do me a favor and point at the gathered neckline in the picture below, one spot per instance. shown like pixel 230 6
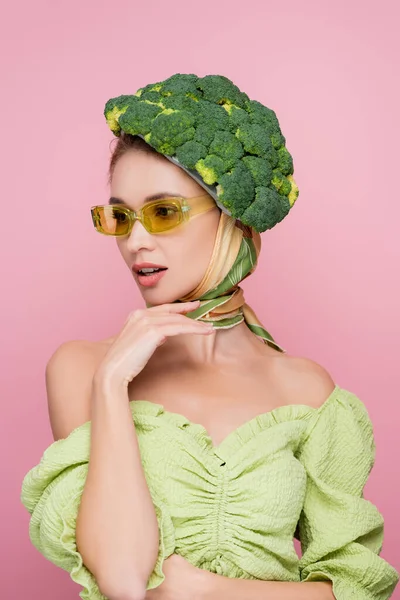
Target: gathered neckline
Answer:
pixel 143 408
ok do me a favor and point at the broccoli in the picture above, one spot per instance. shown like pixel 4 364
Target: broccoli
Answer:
pixel 138 117
pixel 238 117
pixel 281 183
pixel 228 147
pixel 210 168
pixel 231 143
pixel 221 90
pixel 113 109
pixel 204 134
pixel 236 190
pixel 190 153
pixel 212 115
pixel 171 129
pixel 268 209
pixel 256 141
pixel 260 169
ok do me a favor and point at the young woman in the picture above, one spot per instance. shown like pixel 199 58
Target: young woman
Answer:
pixel 190 448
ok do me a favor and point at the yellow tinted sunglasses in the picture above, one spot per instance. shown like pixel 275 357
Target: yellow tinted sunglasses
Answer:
pixel 157 216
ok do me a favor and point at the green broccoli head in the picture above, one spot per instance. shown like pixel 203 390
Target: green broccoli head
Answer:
pixel 234 190
pixel 227 146
pixel 114 108
pixel 227 141
pixel 220 90
pixel 171 129
pixel 190 153
pixel 211 168
pixel 137 119
pixel 260 169
pixel 268 209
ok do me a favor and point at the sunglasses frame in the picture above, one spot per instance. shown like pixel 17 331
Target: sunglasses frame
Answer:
pixel 182 203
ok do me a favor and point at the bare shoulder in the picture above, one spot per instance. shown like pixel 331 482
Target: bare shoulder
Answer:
pixel 306 381
pixel 69 374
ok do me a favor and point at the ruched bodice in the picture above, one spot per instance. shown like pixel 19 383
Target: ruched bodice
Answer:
pixel 233 509
pixel 227 514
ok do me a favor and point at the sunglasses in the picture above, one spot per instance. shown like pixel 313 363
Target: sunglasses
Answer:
pixel 157 216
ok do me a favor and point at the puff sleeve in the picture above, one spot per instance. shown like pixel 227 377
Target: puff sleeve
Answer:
pixel 51 492
pixel 340 532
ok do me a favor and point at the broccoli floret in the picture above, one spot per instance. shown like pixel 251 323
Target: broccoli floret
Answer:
pixel 171 129
pixel 236 189
pixel 235 144
pixel 215 117
pixel 139 117
pixel 285 161
pixel 278 140
pixel 255 140
pixel 227 146
pixel 179 84
pixel 263 116
pixel 260 169
pixel 204 134
pixel 190 153
pixel 152 97
pixel 210 168
pixel 114 108
pixel 220 90
pixel 268 209
pixel 281 183
pixel 237 118
pixel 294 193
pixel 152 87
pixel 180 103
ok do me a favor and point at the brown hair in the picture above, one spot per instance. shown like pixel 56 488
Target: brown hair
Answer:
pixel 126 142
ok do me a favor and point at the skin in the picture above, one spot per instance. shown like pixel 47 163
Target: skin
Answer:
pixel 219 380
pixel 267 378
pixel 186 252
pixel 198 375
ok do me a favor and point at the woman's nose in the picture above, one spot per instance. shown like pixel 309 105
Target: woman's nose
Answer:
pixel 139 238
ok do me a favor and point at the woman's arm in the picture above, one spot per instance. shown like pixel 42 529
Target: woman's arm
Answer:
pixel 117 530
pixel 218 587
pixel 183 581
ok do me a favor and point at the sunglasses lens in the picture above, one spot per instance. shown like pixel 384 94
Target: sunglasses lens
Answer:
pixel 156 217
pixel 162 216
pixel 111 220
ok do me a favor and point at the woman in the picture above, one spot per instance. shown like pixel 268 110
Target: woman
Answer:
pixel 190 448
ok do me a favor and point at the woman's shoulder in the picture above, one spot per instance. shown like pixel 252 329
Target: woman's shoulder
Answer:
pixel 305 381
pixel 301 379
pixel 79 348
pixel 69 374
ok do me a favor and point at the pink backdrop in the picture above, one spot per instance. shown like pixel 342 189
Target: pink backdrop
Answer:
pixel 327 285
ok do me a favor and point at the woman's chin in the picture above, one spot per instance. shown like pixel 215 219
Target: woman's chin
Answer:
pixel 155 297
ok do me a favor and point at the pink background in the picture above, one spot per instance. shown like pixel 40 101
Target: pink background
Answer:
pixel 327 286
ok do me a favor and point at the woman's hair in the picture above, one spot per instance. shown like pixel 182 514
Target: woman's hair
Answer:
pixel 126 142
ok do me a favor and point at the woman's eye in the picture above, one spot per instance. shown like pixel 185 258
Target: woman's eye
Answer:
pixel 119 216
pixel 165 210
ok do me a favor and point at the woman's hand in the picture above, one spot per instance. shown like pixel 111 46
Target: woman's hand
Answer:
pixel 143 332
pixel 182 581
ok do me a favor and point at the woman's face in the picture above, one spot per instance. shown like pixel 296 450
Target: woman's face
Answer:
pixel 186 250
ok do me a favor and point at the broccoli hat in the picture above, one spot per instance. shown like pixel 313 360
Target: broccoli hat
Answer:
pixel 231 145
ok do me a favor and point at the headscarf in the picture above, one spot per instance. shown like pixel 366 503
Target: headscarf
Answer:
pixel 234 258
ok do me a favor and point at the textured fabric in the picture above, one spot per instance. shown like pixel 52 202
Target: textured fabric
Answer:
pixel 234 508
pixel 235 254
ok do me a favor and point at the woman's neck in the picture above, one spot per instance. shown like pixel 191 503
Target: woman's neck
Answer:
pixel 224 346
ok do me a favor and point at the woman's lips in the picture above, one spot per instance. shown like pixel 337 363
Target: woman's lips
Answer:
pixel 150 280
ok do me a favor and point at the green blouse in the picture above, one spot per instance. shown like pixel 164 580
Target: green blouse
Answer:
pixel 235 508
